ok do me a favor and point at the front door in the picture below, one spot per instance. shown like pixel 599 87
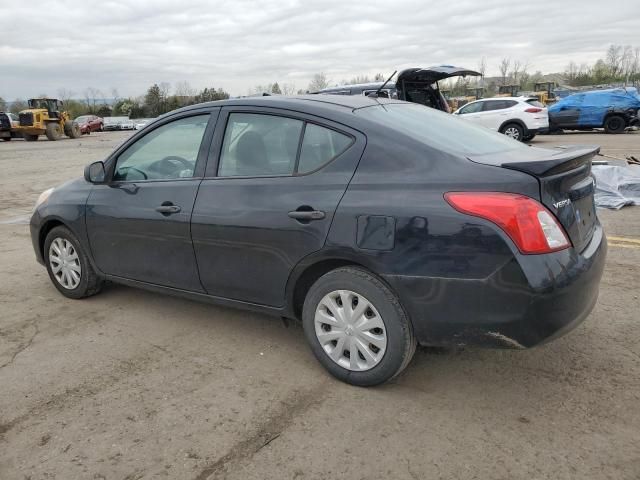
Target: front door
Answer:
pixel 139 223
pixel 275 182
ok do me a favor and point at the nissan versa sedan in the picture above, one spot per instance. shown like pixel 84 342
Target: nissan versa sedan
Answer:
pixel 380 224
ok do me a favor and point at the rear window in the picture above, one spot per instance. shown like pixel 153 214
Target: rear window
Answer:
pixel 535 103
pixel 439 130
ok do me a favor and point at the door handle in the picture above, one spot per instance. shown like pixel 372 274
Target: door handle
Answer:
pixel 168 209
pixel 307 215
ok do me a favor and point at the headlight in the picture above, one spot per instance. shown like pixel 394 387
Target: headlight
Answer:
pixel 43 197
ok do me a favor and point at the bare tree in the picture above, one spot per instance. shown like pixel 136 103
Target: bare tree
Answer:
pixel 184 89
pixel 571 72
pixel 65 95
pixel 91 96
pixel 504 69
pixel 614 58
pixel 482 69
pixel 288 89
pixel 515 71
pixel 626 63
pixel 318 82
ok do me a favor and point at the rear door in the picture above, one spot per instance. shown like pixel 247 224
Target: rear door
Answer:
pixel 274 180
pixel 496 112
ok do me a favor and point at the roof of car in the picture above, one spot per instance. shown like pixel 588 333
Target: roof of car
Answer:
pixel 351 102
pixel 522 97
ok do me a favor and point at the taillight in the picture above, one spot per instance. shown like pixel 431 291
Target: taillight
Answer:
pixel 533 110
pixel 527 222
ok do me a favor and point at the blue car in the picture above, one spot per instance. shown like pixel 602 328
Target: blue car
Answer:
pixel 613 109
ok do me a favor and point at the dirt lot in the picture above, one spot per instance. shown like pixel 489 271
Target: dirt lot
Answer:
pixel 131 385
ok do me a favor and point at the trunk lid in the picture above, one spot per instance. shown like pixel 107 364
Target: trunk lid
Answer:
pixel 566 185
pixel 433 74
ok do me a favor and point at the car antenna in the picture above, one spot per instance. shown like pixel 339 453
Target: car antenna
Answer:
pixel 377 92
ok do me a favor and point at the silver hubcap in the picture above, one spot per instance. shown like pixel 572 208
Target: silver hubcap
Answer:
pixel 64 263
pixel 512 132
pixel 350 330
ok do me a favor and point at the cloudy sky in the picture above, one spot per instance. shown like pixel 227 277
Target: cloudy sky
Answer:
pixel 128 45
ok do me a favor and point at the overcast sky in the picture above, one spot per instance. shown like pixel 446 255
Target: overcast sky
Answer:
pixel 129 45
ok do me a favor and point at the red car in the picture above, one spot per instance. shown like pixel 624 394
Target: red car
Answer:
pixel 90 123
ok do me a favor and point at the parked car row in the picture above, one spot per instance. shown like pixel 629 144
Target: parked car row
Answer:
pixel 124 123
pixel 90 123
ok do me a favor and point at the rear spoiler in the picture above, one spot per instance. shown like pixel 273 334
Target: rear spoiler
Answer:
pixel 568 158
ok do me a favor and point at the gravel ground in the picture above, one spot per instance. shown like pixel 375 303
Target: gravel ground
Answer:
pixel 130 384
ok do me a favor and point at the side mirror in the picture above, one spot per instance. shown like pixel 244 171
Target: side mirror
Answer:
pixel 95 172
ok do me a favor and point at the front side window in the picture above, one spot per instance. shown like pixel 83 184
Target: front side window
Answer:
pixel 168 152
pixel 471 108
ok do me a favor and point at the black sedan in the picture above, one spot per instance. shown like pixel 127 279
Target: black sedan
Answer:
pixel 380 224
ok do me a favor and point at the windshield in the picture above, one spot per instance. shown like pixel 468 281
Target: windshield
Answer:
pixel 84 118
pixel 440 130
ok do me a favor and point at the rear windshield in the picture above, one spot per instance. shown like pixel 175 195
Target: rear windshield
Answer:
pixel 439 130
pixel 535 103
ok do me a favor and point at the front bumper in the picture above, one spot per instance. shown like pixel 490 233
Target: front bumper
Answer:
pixel 530 300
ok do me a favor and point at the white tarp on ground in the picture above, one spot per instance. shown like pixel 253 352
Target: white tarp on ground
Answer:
pixel 617 186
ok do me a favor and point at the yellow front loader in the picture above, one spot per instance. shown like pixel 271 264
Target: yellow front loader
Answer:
pixel 46 117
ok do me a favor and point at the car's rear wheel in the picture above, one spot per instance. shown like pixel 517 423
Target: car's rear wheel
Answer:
pixel 68 265
pixel 357 328
pixel 7 139
pixel 514 131
pixel 614 124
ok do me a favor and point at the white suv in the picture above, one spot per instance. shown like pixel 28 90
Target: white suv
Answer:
pixel 520 118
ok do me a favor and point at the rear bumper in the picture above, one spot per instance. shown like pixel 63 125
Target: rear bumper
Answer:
pixel 530 300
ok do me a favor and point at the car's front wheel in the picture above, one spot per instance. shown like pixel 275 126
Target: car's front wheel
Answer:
pixel 68 265
pixel 357 328
pixel 514 131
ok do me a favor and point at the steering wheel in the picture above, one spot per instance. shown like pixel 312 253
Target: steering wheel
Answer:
pixel 168 165
pixel 144 175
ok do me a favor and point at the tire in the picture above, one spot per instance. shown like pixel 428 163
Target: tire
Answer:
pixel 615 124
pixel 29 138
pixel 514 131
pixel 388 325
pixel 72 130
pixel 101 129
pixel 53 131
pixel 8 139
pixel 88 283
